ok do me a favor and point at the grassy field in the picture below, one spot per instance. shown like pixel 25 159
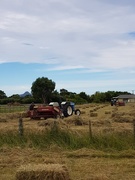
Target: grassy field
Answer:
pixel 107 152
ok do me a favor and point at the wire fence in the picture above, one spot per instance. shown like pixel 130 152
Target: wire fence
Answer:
pixel 13 108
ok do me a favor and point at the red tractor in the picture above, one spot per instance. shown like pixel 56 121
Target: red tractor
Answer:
pixel 53 110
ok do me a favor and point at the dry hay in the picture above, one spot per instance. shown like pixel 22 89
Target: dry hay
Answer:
pixel 11 116
pixel 131 114
pixel 43 172
pixel 122 117
pixel 91 111
pixel 14 115
pixel 126 119
pixel 24 115
pixel 102 122
pixel 83 112
pixel 95 109
pixel 76 120
pixel 108 130
pixel 2 119
pixel 99 177
pixel 118 114
pixel 93 114
pixel 115 109
pixel 107 112
pixel 103 106
pixel 49 123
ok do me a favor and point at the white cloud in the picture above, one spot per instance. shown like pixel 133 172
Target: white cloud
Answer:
pixel 99 85
pixel 94 36
pixel 58 68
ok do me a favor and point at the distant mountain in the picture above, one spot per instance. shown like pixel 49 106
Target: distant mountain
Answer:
pixel 25 94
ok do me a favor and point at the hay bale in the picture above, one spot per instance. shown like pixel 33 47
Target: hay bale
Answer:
pixel 93 114
pixel 78 122
pixel 92 110
pixel 83 112
pixel 43 172
pixel 107 112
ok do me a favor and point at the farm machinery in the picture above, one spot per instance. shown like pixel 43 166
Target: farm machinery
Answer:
pixel 117 103
pixel 53 110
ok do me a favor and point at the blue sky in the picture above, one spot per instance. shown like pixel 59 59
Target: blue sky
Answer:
pixel 82 45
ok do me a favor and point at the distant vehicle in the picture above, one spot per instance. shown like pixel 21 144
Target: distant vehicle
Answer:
pixel 120 103
pixel 117 103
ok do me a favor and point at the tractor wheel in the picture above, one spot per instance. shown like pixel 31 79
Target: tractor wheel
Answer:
pixel 77 112
pixel 67 111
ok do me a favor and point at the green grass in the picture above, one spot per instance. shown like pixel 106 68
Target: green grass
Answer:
pixel 108 142
pixel 10 109
pixel 67 140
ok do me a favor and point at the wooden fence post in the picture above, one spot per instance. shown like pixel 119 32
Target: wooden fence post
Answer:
pixel 134 128
pixel 90 130
pixel 20 126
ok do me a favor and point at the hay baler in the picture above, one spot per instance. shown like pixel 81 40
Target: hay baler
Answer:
pixel 53 110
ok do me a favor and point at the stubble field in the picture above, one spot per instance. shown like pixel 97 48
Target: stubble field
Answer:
pixel 95 162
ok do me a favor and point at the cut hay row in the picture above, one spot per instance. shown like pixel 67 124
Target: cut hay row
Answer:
pixel 104 118
pixel 42 172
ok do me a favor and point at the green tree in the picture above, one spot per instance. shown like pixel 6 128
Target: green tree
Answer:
pixel 14 98
pixel 2 94
pixel 42 89
pixel 84 96
pixel 64 92
pixel 98 97
pixel 27 99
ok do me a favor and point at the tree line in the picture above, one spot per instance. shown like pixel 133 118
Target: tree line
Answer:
pixel 43 91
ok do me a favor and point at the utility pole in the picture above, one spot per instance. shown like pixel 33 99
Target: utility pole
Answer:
pixel 133 91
